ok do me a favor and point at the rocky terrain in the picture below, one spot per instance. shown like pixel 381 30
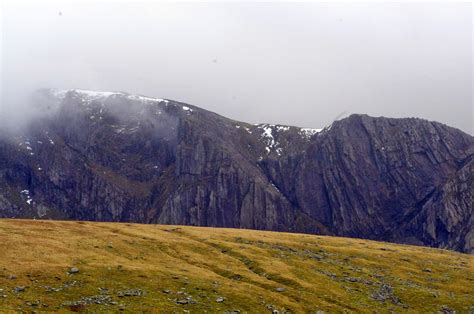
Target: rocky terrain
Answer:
pixel 112 156
pixel 57 266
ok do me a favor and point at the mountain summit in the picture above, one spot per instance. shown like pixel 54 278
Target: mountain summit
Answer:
pixel 113 156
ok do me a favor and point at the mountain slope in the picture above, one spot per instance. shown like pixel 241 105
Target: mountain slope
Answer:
pixel 375 174
pixel 164 269
pixel 119 157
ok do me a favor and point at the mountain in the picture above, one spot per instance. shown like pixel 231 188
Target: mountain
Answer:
pixel 103 267
pixel 113 156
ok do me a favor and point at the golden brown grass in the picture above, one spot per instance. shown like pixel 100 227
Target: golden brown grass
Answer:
pixel 242 266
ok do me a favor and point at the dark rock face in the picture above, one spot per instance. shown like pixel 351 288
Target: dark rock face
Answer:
pixel 375 175
pixel 446 219
pixel 120 157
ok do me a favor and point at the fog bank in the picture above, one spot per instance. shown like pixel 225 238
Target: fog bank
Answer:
pixel 291 63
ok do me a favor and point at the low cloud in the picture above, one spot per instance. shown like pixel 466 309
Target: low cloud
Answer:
pixel 291 63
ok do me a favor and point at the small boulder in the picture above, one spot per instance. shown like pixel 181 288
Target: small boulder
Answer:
pixel 19 289
pixel 280 289
pixel 220 299
pixel 191 300
pixel 73 270
pixel 446 310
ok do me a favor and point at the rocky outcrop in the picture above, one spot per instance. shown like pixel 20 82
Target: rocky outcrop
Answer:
pixel 120 157
pixel 446 219
pixel 369 176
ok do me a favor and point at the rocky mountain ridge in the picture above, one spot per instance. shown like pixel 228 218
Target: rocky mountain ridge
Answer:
pixel 113 156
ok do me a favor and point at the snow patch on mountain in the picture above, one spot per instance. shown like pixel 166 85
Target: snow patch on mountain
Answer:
pixel 269 139
pixel 308 132
pixel 147 99
pixel 90 95
pixel 26 194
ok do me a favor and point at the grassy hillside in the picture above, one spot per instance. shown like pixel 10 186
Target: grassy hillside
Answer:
pixel 133 267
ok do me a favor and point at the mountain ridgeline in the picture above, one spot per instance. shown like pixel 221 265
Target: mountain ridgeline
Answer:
pixel 119 157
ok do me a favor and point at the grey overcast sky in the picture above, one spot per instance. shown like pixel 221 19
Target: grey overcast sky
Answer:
pixel 292 63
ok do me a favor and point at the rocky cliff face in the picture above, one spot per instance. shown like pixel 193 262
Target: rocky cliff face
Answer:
pixel 120 157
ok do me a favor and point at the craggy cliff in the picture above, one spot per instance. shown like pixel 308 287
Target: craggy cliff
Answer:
pixel 120 157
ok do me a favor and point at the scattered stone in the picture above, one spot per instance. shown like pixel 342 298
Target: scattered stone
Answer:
pixel 19 289
pixel 280 289
pixel 166 291
pixel 12 277
pixel 73 270
pixel 187 300
pixel 51 289
pixel 69 284
pixel 427 270
pixel 327 273
pixel 34 303
pixel 272 308
pixel 386 293
pixel 446 310
pixel 352 279
pixel 220 299
pixel 95 299
pixel 130 293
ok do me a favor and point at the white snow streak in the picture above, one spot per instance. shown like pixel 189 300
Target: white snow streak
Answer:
pixel 308 132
